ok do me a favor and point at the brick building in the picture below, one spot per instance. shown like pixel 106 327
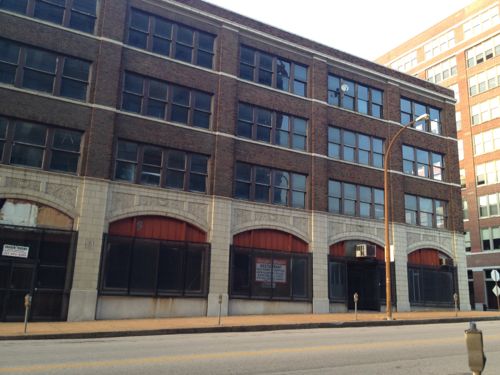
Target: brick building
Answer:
pixel 462 53
pixel 157 156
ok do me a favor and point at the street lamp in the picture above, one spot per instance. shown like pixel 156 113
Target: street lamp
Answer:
pixel 388 290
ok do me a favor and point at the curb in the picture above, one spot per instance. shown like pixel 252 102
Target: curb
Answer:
pixel 250 328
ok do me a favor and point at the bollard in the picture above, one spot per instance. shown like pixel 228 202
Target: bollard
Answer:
pixel 475 351
pixel 27 306
pixel 356 299
pixel 220 306
pixel 455 298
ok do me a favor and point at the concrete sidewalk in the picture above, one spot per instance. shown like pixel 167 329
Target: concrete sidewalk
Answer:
pixel 141 327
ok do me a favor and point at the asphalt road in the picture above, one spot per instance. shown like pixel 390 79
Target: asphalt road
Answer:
pixel 422 349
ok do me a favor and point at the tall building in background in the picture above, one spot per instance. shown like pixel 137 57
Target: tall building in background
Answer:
pixel 158 158
pixel 462 52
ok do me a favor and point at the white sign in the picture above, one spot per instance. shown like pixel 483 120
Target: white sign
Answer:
pixel 15 251
pixel 496 290
pixel 495 275
pixel 263 270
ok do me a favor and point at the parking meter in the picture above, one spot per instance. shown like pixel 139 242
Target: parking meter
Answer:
pixel 475 351
pixel 27 306
pixel 356 299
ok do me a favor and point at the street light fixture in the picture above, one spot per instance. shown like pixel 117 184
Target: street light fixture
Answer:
pixel 388 290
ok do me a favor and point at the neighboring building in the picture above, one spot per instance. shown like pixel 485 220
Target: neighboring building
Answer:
pixel 462 52
pixel 159 155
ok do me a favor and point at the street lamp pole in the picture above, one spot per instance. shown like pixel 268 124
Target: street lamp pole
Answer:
pixel 388 289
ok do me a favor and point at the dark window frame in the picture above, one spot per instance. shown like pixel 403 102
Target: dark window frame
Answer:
pixel 58 76
pixel 197 50
pixel 69 10
pixel 341 200
pixel 259 70
pixel 164 168
pixel 418 211
pixel 254 253
pixel 204 248
pixel 274 131
pixel 337 97
pixel 429 126
pixel 168 101
pixel 415 163
pixel 48 148
pixel 273 186
pixel 372 155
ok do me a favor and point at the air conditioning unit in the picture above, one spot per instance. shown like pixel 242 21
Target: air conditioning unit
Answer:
pixel 446 262
pixel 364 250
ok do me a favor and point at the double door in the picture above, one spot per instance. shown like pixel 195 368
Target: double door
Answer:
pixel 16 280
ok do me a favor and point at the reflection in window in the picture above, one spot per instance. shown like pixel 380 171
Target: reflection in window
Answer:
pixel 423 163
pixel 151 165
pixel 355 147
pixel 154 98
pixel 355 96
pixel 355 200
pixel 270 186
pixel 39 146
pixel 165 37
pixel 410 110
pixel 426 212
pixel 273 71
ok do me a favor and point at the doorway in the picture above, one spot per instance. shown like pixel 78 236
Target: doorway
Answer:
pixel 363 278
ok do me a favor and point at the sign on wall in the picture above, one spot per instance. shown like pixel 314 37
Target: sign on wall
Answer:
pixel 15 251
pixel 263 267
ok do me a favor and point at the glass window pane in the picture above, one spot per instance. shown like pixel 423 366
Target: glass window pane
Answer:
pixel 349 191
pixel 183 53
pixel 67 140
pixel 180 95
pixel 282 179
pixel 82 22
pixel 18 6
pixel 144 266
pixel 38 81
pixel 9 51
pixel 175 179
pixel 75 68
pixel 49 12
pixel 27 155
pixel 170 266
pixel 163 28
pixel 185 35
pixel 85 6
pixel 73 89
pixel 30 133
pixel 64 161
pixel 125 171
pixel 139 20
pixel 243 172
pixel 176 160
pixel 298 182
pixel 197 182
pixel 127 151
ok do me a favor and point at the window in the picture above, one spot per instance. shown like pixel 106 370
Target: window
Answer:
pixel 439 45
pixel 456 92
pixel 423 163
pixel 43 71
pixel 355 147
pixel 269 70
pixel 355 200
pixel 167 38
pixel 488 205
pixel 462 178
pixel 484 51
pixel 458 119
pixel 406 62
pixel 490 238
pixel 485 111
pixel 135 266
pixel 75 14
pixel 354 96
pixel 465 209
pixel 460 147
pixel 487 141
pixel 268 185
pixel 274 275
pixel 154 98
pixel 271 127
pixel 39 146
pixel 481 22
pixel 151 165
pixel 426 212
pixel 442 71
pixel 467 243
pixel 410 110
pixel 488 173
pixel 484 81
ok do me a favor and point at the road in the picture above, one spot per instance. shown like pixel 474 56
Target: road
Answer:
pixel 422 349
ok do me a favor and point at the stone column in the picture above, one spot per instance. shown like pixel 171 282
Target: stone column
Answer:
pixel 319 249
pixel 461 264
pixel 220 240
pixel 399 246
pixel 92 208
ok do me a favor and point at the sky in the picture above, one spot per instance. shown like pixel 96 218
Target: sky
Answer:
pixel 365 28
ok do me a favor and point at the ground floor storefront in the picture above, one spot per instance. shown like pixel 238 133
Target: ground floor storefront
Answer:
pixel 101 250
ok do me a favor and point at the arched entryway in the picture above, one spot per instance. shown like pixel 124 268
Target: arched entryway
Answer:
pixel 37 250
pixel 154 256
pixel 269 264
pixel 432 278
pixel 357 266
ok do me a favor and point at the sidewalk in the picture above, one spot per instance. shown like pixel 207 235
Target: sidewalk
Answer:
pixel 141 327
